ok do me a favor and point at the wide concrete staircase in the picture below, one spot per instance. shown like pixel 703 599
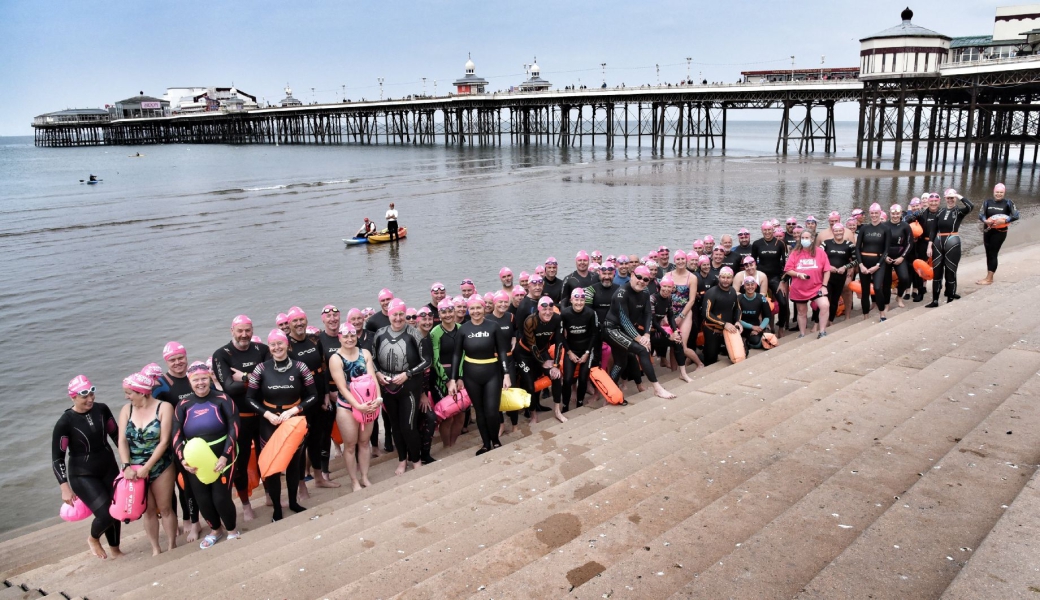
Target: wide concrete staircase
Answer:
pixel 888 460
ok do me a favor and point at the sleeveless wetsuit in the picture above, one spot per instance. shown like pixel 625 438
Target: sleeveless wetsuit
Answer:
pixel 754 312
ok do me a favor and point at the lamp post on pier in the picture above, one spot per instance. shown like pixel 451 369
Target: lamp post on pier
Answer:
pixel 344 92
pixel 423 86
pixel 604 67
pixel 688 59
pixel 658 67
pixel 792 67
pixel 823 57
pixel 380 79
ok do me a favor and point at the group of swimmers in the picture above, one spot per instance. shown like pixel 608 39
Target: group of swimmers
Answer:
pixel 541 333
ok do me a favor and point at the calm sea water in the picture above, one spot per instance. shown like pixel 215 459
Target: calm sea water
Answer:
pixel 95 279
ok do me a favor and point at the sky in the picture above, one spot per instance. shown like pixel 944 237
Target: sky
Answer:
pixel 84 54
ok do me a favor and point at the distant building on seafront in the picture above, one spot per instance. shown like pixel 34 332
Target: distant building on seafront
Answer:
pixel 535 83
pixel 289 100
pixel 470 82
pixel 186 100
pixel 77 116
pixel 140 107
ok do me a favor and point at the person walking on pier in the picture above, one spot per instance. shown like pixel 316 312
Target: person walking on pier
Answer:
pixel 996 214
pixel 391 223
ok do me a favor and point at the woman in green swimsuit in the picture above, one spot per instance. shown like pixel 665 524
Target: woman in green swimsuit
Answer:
pixel 147 426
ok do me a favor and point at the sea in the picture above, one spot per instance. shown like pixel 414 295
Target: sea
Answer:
pixel 171 245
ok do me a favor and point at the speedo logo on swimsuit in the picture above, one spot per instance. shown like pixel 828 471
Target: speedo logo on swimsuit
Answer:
pixel 479 334
pixel 200 412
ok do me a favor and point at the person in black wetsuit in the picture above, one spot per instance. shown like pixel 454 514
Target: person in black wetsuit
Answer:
pixel 996 214
pixel 437 293
pixel 901 244
pixel 598 298
pixel 926 219
pixel 721 312
pixel 172 388
pixel 580 330
pixel 504 319
pixel 529 304
pixel 232 364
pixel 580 278
pixel 553 286
pixel 754 314
pixel 872 245
pixel 328 339
pixel 742 250
pixel 945 250
pixel 535 335
pixel 281 388
pixel 211 416
pixel 82 432
pixel 485 374
pixel 321 417
pixel 427 418
pixel 664 332
pixel 399 367
pixel 842 258
pixel 627 329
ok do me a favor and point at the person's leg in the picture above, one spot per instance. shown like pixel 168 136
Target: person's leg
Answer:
pixel 388 435
pixel 427 427
pixel 474 386
pixel 364 453
pixel 825 309
pixel 880 298
pixel 409 420
pixel 938 269
pixel 204 498
pixel 189 509
pixel 712 344
pixel 903 273
pixel 293 478
pixel 492 393
pixel 583 383
pixel 835 285
pixel 802 309
pixel 161 488
pixel 223 502
pixel 953 260
pixel 151 522
pixel 569 372
pixel 248 433
pixel 96 493
pixel 391 413
pixel 348 431
pixel 272 483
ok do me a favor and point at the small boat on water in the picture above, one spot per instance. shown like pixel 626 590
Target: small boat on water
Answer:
pixel 380 237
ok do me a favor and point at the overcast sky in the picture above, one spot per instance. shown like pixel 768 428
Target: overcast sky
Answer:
pixel 81 54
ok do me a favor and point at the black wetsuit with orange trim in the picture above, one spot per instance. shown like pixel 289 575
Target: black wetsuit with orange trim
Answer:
pixel 320 418
pixel 534 338
pixel 629 318
pixel 946 244
pixel 872 246
pixel 993 238
pixel 721 308
pixel 580 336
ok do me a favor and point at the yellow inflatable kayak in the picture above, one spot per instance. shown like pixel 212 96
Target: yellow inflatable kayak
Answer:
pixel 379 237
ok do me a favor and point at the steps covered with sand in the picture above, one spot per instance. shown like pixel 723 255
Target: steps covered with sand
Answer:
pixel 894 460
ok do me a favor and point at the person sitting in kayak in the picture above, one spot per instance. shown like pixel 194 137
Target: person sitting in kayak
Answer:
pixel 367 229
pixel 93 178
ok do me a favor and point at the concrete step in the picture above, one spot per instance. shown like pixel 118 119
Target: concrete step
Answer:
pixel 732 490
pixel 17 593
pixel 785 554
pixel 1005 565
pixel 918 546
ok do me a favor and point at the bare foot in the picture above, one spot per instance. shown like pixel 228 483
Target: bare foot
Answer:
pixel 355 485
pixel 247 513
pixel 558 413
pixel 640 387
pixel 900 304
pixel 660 392
pixel 534 417
pixel 401 467
pixel 365 482
pixel 114 552
pixel 983 282
pixel 193 532
pixel 416 465
pixel 684 376
pixel 303 493
pixel 95 548
pixel 325 483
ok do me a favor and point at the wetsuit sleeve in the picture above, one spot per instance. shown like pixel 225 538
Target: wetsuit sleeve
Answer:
pixel 309 398
pixel 982 210
pixel 1014 210
pixel 763 312
pixel 456 358
pixel 670 314
pixel 253 395
pixel 227 407
pixel 562 334
pixel 968 207
pixel 59 445
pixel 648 316
pixel 502 343
pixel 435 341
pixel 424 361
pixel 735 312
pixel 932 229
pixel 527 333
pixel 178 428
pixel 222 369
pixel 708 316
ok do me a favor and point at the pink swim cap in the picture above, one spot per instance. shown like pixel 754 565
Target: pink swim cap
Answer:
pixel 312 330
pixel 296 313
pixel 199 366
pixel 698 244
pixel 172 349
pixel 578 293
pixel 767 225
pixel 545 301
pixel 423 311
pixel 501 295
pixel 458 301
pixel 410 312
pixel 607 266
pixel 281 319
pixel 837 227
pixel 895 208
pixel 241 320
pixel 799 229
pixel 642 271
pixel 539 270
pixel 152 371
pixel 385 294
pixel 622 259
pixel 680 254
pixel 915 201
pixel 725 271
pixel 852 222
pixel 834 216
pixel 951 192
pixel 347 329
pixel 396 305
pixel 475 300
pixel 857 212
pixel 445 304
pixel 489 297
pixel 551 260
pixel 743 231
pixel 875 206
pixel 276 335
pixel 504 271
pixel 524 275
pixel 792 221
pixel 749 260
pixel 80 383
pixel 703 260
pixel 537 279
pixel 750 280
pixel 667 280
pixel 653 254
pixel 354 313
pixel 810 219
pixel 209 364
pixel 709 239
pixel 138 382
pixel 582 255
pixel 597 254
pixel 999 188
pixel 256 339
pixel 519 291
